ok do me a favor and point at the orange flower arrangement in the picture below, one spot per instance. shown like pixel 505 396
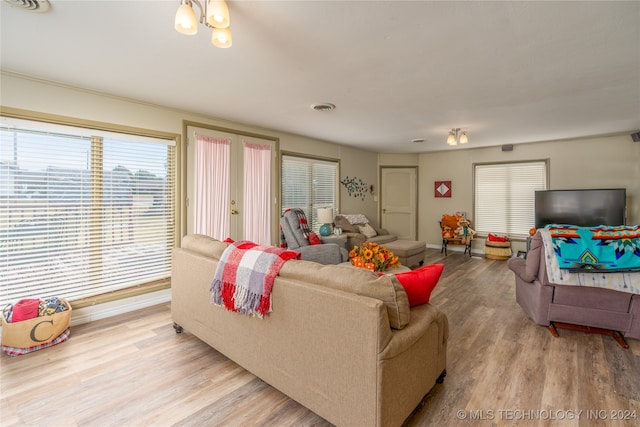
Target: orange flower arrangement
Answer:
pixel 373 256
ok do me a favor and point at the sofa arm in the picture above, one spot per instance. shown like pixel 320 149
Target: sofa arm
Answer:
pixel 381 231
pixel 354 239
pixel 519 267
pixel 327 253
pixel 422 317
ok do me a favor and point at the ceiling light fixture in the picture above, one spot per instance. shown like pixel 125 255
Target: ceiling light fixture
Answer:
pixel 455 137
pixel 214 14
pixel 30 5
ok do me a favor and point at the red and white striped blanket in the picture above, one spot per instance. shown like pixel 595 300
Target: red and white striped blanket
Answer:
pixel 244 277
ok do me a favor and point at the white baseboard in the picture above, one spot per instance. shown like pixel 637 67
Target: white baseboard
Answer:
pixel 114 308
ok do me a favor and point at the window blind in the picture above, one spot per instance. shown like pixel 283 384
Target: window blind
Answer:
pixel 505 196
pixel 309 184
pixel 82 215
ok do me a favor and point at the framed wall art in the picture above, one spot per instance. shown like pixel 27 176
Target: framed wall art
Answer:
pixel 442 189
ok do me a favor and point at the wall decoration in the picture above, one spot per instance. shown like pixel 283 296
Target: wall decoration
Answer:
pixel 442 188
pixel 356 187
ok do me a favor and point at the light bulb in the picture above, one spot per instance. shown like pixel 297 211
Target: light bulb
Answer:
pixel 186 22
pixel 451 139
pixel 221 37
pixel 218 14
pixel 463 138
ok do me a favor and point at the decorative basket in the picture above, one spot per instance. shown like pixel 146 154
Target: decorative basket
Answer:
pixel 497 250
pixel 36 332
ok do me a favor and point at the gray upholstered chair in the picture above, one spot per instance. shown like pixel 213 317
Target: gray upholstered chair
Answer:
pixel 293 235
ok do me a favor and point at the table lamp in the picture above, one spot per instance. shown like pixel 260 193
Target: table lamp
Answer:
pixel 325 217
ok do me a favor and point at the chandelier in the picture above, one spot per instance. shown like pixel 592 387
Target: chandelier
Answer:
pixel 214 14
pixel 455 137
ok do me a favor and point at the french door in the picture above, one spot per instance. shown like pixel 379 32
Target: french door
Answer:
pixel 231 182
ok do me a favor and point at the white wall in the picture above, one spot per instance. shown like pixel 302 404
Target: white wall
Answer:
pixel 597 162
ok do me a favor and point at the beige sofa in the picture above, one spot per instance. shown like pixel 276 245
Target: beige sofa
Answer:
pixel 354 360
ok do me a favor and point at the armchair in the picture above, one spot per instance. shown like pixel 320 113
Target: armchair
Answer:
pixel 297 236
pixel 456 230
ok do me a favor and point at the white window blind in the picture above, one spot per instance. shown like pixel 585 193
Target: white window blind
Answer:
pixel 82 215
pixel 505 196
pixel 309 184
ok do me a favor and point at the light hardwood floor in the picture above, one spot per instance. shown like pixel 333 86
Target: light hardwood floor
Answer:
pixel 133 370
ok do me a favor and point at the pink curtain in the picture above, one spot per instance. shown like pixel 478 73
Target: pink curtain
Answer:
pixel 257 193
pixel 212 186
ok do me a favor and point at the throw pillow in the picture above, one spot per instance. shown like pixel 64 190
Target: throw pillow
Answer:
pixel 367 230
pixel 419 283
pixel 314 239
pixel 345 225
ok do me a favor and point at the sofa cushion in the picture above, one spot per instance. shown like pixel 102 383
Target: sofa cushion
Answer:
pixel 355 280
pixel 383 238
pixel 295 230
pixel 356 218
pixel 344 224
pixel 203 245
pixel 367 230
pixel 419 283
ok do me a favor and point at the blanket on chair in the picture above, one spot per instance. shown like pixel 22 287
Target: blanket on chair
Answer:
pixel 309 234
pixel 602 248
pixel 244 277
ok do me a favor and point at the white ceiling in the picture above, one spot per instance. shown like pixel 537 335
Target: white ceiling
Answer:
pixel 507 72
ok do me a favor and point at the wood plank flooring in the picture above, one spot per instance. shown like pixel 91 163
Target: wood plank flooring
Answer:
pixel 133 370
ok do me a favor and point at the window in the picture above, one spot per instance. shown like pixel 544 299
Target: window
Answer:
pixel 309 184
pixel 82 212
pixel 505 196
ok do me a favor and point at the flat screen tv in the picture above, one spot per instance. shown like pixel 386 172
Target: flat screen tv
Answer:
pixel 585 208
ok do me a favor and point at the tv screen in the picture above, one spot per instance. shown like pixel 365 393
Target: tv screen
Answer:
pixel 585 208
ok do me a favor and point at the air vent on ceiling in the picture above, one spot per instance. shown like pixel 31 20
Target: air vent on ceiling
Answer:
pixel 323 107
pixel 30 5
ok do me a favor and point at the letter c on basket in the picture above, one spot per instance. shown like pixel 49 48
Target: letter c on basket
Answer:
pixel 33 331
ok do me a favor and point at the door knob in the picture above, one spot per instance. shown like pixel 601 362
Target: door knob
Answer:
pixel 234 212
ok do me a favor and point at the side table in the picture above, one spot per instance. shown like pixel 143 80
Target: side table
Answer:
pixel 335 238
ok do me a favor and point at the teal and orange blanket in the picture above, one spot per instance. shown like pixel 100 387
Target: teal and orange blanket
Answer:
pixel 602 248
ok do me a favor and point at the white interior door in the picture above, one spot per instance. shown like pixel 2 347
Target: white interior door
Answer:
pixel 399 201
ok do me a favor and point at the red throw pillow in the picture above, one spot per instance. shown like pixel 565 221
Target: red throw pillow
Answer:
pixel 314 239
pixel 419 283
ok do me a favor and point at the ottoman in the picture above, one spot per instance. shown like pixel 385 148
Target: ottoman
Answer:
pixel 410 252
